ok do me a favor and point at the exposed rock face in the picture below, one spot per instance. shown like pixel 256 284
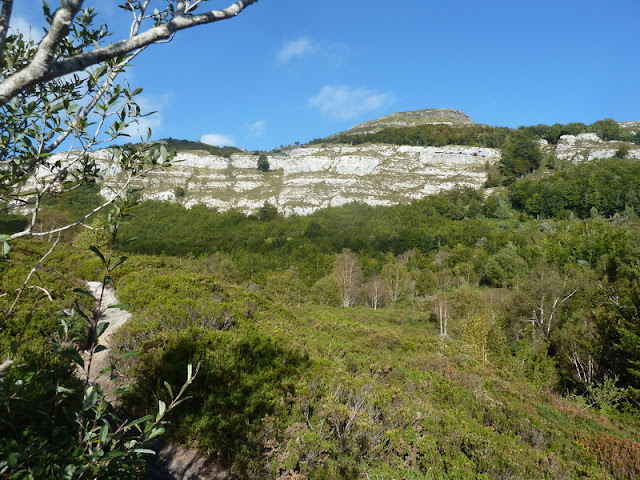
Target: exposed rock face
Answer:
pixel 305 179
pixel 587 147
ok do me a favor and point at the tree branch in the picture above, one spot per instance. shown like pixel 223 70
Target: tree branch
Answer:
pixel 26 282
pixel 5 18
pixel 42 69
pixel 29 230
pixel 92 103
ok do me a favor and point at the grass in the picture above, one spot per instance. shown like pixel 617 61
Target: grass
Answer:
pixel 418 117
pixel 323 392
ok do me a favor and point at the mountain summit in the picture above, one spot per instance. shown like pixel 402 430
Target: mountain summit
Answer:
pixel 431 116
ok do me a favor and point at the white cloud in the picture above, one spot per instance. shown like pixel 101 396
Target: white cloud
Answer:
pixel 257 129
pixel 218 140
pixel 342 102
pixel 21 25
pixel 299 47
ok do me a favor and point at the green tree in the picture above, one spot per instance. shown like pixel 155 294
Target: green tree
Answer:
pixel 286 285
pixel 179 192
pixel 263 163
pixel 63 91
pixel 326 291
pixel 521 156
pixel 45 105
pixel 503 268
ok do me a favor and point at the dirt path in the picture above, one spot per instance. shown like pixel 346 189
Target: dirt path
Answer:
pixel 172 462
pixel 116 318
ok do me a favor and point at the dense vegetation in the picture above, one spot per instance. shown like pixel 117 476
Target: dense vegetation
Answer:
pixel 482 135
pixel 521 154
pixel 417 341
pixel 174 145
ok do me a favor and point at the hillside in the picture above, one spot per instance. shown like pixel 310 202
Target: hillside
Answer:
pixel 394 159
pixel 433 116
pixel 457 336
pixel 381 162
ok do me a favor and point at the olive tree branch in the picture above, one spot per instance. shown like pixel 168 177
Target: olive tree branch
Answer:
pixel 92 104
pixel 29 230
pixel 44 68
pixel 26 281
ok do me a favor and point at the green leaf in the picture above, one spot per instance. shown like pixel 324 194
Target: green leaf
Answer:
pixel 73 354
pixel 127 241
pixel 117 262
pixel 5 248
pixel 61 389
pixel 85 293
pixel 139 421
pixel 130 354
pixel 58 106
pixel 79 311
pixel 143 450
pixel 104 432
pixel 90 398
pixel 95 250
pixel 69 470
pixel 102 326
pixel 123 306
pixel 169 389
pixel 162 408
pixel 156 432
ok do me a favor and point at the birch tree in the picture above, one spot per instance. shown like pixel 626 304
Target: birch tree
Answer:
pixel 442 309
pixel 543 293
pixel 375 292
pixel 397 279
pixel 349 275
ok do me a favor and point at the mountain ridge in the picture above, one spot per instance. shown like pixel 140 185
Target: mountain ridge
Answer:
pixel 308 177
pixel 430 116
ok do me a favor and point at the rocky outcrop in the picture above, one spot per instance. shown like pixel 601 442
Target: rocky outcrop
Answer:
pixel 587 147
pixel 304 179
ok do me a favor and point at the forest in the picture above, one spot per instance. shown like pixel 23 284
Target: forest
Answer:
pixel 422 340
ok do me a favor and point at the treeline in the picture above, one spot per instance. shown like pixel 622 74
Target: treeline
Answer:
pixel 608 187
pixel 174 145
pixel 482 135
pixel 605 188
pixel 520 150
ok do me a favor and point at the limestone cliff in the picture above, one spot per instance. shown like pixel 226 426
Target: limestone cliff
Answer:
pixel 303 179
pixel 587 147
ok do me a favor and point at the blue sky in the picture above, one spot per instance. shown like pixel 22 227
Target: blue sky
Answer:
pixel 293 70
